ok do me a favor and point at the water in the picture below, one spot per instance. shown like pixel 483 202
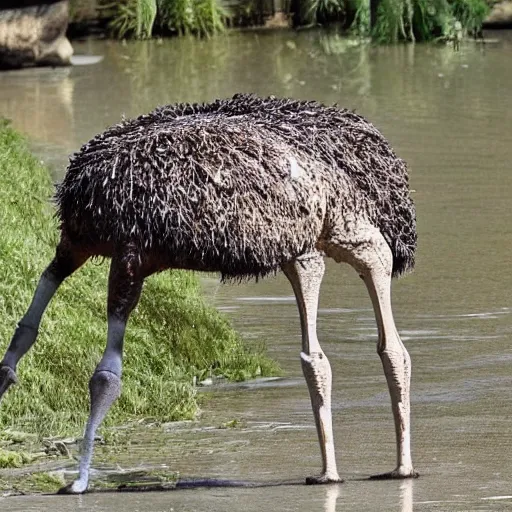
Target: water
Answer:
pixel 449 114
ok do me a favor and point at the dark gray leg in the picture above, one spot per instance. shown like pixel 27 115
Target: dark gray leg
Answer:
pixel 66 261
pixel 125 286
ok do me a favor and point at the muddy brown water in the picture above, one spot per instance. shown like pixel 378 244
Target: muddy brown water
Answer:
pixel 449 114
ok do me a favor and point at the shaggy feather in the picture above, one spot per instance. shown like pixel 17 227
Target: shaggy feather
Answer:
pixel 240 186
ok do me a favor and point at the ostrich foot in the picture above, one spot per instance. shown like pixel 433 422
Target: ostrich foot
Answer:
pixel 324 479
pixel 400 473
pixel 7 377
pixel 76 487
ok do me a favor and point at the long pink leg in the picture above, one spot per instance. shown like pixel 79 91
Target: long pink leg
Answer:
pixel 305 276
pixel 374 261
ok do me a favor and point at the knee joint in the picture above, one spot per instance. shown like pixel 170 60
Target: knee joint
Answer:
pixel 395 356
pixel 105 382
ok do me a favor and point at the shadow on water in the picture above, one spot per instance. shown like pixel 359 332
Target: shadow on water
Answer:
pixel 198 483
pixel 331 493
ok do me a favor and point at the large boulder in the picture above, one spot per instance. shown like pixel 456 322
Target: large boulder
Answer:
pixel 33 33
pixel 500 15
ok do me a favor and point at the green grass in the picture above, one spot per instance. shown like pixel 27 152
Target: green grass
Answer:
pixel 172 337
pixel 44 482
pixel 14 459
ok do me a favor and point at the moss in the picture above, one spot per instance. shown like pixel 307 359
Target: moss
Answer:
pixel 16 437
pixel 52 481
pixel 48 482
pixel 236 423
pixel 172 338
pixel 14 459
pixel 44 482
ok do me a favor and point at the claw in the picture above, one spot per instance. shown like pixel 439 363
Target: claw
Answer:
pixel 323 480
pixel 7 377
pixel 397 474
pixel 75 487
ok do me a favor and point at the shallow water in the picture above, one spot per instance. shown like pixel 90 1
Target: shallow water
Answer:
pixel 449 114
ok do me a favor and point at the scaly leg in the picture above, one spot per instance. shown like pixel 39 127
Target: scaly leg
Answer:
pixel 66 261
pixel 125 286
pixel 305 276
pixel 376 263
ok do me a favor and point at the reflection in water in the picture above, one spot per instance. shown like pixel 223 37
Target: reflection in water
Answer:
pixel 406 488
pixel 130 79
pixel 133 78
pixel 40 101
pixel 349 57
pixel 333 492
pixel 331 497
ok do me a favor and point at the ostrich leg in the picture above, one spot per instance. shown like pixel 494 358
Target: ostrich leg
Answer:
pixel 125 286
pixel 66 261
pixel 305 275
pixel 375 264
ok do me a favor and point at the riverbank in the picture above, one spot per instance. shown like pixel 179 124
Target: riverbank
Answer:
pixel 387 23
pixel 77 20
pixel 173 340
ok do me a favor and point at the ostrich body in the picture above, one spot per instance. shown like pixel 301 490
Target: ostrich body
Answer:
pixel 245 187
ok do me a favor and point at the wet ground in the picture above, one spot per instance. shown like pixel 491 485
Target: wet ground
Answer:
pixel 449 114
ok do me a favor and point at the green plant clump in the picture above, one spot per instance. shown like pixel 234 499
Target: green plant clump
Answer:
pixel 140 18
pixel 14 459
pixel 319 11
pixel 420 20
pixel 172 337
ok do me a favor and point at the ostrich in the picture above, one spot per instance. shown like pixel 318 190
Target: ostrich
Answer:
pixel 242 186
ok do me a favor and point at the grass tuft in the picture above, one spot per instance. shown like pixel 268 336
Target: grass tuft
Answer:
pixel 14 459
pixel 172 337
pixel 45 482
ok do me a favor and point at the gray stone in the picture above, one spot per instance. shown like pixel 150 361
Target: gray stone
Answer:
pixel 500 15
pixel 34 34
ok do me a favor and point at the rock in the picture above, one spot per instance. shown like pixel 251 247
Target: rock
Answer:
pixel 278 20
pixel 500 15
pixel 34 33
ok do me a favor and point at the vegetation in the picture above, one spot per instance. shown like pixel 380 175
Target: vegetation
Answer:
pixel 44 482
pixel 173 337
pixel 36 481
pixel 408 20
pixel 134 18
pixel 420 20
pixel 142 18
pixel 320 11
pixel 14 459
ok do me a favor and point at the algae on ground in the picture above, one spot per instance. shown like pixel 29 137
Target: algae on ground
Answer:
pixel 172 337
pixel 44 482
pixel 14 459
